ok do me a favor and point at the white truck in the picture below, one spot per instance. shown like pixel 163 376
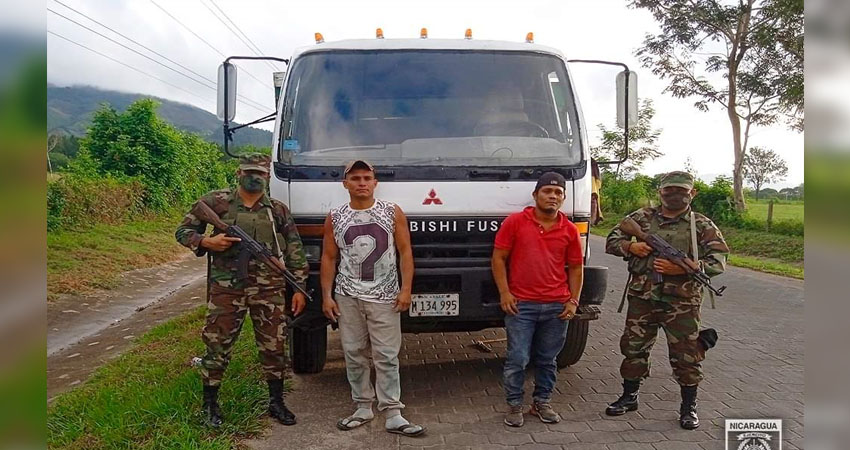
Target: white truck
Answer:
pixel 459 131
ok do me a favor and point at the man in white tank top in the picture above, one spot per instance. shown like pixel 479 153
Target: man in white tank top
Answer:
pixel 363 236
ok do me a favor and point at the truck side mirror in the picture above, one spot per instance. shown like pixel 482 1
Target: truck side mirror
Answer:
pixel 226 92
pixel 279 77
pixel 627 98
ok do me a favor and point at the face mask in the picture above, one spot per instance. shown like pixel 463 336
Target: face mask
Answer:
pixel 252 183
pixel 676 201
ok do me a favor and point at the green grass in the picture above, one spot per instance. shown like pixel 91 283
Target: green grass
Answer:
pixel 150 397
pixel 759 250
pixel 792 211
pixel 785 249
pixel 79 261
pixel 767 265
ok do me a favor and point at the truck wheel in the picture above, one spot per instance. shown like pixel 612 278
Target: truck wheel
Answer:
pixel 574 346
pixel 308 349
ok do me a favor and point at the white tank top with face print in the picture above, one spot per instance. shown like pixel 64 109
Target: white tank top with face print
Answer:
pixel 367 268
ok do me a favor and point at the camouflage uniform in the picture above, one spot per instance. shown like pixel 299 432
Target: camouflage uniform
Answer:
pixel 261 293
pixel 673 304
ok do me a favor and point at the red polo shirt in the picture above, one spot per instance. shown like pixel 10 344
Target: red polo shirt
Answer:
pixel 536 269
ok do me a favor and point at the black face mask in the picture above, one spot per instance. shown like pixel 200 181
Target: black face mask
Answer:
pixel 676 201
pixel 253 183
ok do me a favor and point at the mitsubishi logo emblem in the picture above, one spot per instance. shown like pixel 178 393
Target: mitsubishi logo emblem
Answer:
pixel 432 198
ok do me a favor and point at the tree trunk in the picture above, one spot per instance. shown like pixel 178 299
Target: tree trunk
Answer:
pixel 738 169
pixel 736 56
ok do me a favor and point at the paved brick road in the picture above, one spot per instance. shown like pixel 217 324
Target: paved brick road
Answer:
pixel 756 371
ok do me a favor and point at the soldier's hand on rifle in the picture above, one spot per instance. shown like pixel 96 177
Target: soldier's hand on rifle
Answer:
pixel 665 267
pixel 330 309
pixel 640 249
pixel 402 302
pixel 219 242
pixel 298 303
pixel 508 303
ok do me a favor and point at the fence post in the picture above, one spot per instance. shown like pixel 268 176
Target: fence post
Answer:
pixel 769 214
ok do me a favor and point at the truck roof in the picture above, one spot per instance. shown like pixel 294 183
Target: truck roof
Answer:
pixel 427 44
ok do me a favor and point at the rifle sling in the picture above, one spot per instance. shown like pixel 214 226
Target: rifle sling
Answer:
pixel 278 250
pixel 695 254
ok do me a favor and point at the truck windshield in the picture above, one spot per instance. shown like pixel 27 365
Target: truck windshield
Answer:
pixel 425 107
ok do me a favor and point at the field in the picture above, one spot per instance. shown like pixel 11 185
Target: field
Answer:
pixel 790 210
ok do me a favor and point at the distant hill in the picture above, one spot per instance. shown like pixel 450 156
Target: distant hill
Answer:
pixel 71 109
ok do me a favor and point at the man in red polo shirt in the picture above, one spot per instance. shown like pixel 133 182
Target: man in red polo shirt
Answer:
pixel 538 296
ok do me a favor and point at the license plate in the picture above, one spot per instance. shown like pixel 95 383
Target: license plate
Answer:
pixel 422 305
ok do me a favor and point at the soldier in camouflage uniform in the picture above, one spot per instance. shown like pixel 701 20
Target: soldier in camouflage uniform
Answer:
pixel 261 293
pixel 673 304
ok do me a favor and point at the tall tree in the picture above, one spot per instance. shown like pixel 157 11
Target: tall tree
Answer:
pixel 642 141
pixel 762 166
pixel 745 56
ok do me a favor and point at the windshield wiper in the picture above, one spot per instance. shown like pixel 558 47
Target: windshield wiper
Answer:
pixel 499 174
pixel 352 147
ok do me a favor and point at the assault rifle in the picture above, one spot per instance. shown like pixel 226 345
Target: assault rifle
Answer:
pixel 662 249
pixel 248 248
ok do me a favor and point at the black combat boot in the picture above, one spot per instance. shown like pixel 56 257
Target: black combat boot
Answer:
pixel 628 401
pixel 210 408
pixel 688 411
pixel 277 409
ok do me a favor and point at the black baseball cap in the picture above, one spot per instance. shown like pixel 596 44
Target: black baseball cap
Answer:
pixel 551 179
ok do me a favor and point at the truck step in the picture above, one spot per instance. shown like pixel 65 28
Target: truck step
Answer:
pixel 588 312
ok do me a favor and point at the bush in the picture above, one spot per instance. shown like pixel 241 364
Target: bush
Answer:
pixel 58 161
pixel 715 201
pixel 174 167
pixel 620 196
pixel 785 226
pixel 132 163
pixel 788 227
pixel 55 205
pixel 74 201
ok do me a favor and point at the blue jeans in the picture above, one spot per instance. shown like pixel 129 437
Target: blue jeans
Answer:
pixel 536 335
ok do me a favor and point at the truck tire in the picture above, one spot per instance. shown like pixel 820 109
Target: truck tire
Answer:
pixel 308 349
pixel 574 346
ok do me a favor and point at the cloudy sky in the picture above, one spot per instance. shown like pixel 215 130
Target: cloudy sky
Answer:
pixel 588 29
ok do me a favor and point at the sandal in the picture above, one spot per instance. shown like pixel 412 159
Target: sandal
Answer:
pixel 407 429
pixel 351 422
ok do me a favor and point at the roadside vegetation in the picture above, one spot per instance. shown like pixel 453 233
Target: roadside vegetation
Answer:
pixel 150 397
pixel 778 250
pixel 82 260
pixel 113 205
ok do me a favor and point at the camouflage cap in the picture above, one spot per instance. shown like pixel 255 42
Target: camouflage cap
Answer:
pixel 255 161
pixel 678 179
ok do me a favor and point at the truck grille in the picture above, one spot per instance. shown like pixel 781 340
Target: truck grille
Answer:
pixel 458 242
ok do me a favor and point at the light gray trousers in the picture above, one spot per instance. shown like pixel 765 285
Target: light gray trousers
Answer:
pixel 362 323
